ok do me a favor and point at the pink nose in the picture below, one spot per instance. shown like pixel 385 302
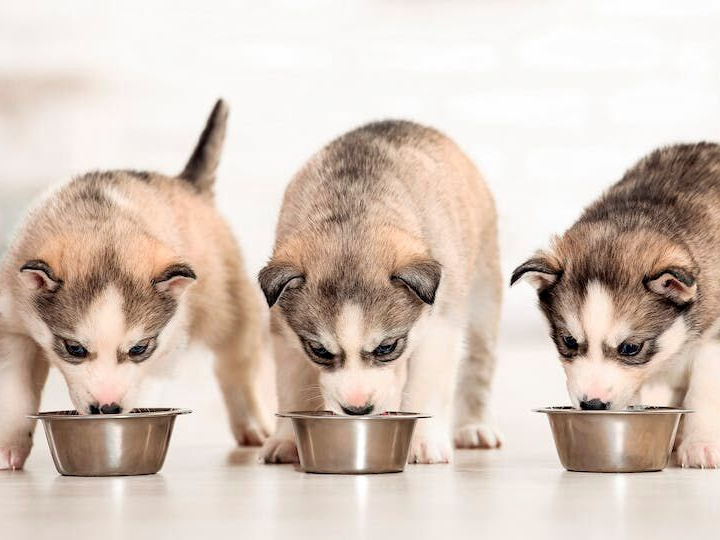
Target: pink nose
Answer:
pixel 597 391
pixel 357 398
pixel 107 396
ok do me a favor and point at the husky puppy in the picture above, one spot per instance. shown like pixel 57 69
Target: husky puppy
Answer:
pixel 383 281
pixel 109 275
pixel 632 293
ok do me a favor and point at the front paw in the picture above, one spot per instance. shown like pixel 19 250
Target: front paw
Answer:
pixel 249 434
pixel 279 450
pixel 13 456
pixel 477 435
pixel 430 448
pixel 703 455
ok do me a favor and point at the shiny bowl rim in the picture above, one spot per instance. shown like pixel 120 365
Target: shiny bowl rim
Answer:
pixel 147 413
pixel 645 411
pixel 315 415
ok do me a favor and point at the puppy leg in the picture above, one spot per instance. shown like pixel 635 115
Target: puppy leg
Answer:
pixel 298 390
pixel 430 389
pixel 23 371
pixel 238 367
pixel 472 422
pixel 243 367
pixel 700 446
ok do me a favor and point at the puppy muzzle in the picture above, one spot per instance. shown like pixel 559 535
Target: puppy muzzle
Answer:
pixel 358 411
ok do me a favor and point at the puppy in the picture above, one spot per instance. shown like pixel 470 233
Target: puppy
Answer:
pixel 111 274
pixel 632 293
pixel 383 281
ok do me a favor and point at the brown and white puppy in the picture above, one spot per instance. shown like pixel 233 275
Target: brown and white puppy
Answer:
pixel 383 281
pixel 110 274
pixel 632 293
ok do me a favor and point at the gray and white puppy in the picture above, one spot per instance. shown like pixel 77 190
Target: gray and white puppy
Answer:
pixel 385 287
pixel 632 293
pixel 110 274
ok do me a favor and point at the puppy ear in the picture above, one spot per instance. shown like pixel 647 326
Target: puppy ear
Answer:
pixel 421 277
pixel 37 275
pixel 676 284
pixel 174 280
pixel 541 271
pixel 276 277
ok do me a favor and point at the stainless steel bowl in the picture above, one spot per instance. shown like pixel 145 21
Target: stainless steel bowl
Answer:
pixel 109 444
pixel 330 443
pixel 637 439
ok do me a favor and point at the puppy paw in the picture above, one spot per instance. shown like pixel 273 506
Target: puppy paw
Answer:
pixel 430 449
pixel 477 435
pixel 703 455
pixel 13 457
pixel 276 450
pixel 249 434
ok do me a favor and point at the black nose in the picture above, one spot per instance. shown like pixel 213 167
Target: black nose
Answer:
pixel 594 405
pixel 112 408
pixel 357 411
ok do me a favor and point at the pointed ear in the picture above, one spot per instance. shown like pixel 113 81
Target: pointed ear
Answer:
pixel 276 278
pixel 541 271
pixel 421 277
pixel 37 275
pixel 674 283
pixel 175 279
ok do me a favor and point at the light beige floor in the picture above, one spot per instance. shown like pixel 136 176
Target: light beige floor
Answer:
pixel 208 489
pixel 214 492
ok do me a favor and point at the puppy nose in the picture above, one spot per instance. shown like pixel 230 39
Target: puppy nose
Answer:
pixel 594 405
pixel 357 411
pixel 112 408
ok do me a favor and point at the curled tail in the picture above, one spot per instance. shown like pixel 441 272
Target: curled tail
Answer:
pixel 200 168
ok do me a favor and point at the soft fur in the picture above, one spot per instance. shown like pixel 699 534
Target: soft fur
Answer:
pixel 121 259
pixel 387 242
pixel 642 267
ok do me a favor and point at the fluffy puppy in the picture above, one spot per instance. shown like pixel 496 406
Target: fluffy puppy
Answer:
pixel 383 281
pixel 110 274
pixel 632 293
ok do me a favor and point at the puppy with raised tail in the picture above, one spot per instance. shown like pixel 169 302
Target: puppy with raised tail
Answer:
pixel 384 286
pixel 112 273
pixel 632 293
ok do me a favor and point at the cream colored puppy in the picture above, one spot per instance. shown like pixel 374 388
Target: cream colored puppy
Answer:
pixel 109 275
pixel 385 287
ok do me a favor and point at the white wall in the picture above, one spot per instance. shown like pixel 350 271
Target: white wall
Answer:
pixel 553 99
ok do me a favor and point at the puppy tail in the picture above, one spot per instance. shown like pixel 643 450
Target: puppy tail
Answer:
pixel 200 168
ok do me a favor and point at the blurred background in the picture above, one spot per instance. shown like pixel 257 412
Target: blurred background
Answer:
pixel 553 100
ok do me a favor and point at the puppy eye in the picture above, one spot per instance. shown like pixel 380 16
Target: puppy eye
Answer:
pixel 570 342
pixel 629 349
pixel 321 353
pixel 137 350
pixel 74 349
pixel 385 348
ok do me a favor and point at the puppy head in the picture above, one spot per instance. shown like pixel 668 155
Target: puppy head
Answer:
pixel 103 320
pixel 356 319
pixel 619 306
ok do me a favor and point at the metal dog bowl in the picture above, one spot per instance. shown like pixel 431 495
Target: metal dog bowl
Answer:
pixel 637 439
pixel 109 444
pixel 331 443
